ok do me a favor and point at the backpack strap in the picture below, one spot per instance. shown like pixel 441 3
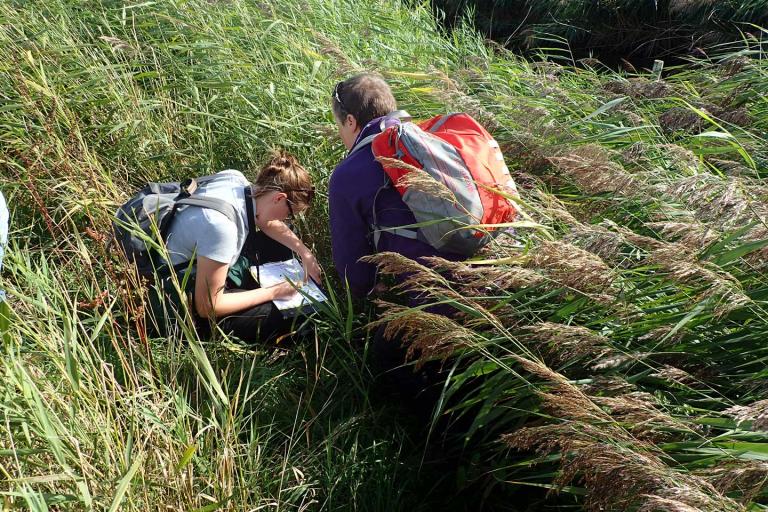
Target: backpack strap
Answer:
pixel 212 203
pixel 411 234
pixel 362 144
pixel 441 122
pixel 376 229
pixel 402 115
pixel 219 205
pixel 248 194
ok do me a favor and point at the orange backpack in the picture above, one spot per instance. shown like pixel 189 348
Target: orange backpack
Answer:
pixel 456 151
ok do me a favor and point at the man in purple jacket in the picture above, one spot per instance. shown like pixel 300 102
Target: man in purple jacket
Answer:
pixel 359 184
pixel 359 192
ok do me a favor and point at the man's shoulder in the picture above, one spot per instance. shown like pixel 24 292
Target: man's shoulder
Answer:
pixel 358 166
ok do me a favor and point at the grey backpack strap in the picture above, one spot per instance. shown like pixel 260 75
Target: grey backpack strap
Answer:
pixel 376 229
pixel 219 205
pixel 362 144
pixel 402 115
pixel 441 122
pixel 411 234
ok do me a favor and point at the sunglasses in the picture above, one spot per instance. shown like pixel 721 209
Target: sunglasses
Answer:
pixel 310 196
pixel 291 214
pixel 337 97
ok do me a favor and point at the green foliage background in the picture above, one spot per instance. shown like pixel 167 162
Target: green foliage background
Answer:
pixel 615 355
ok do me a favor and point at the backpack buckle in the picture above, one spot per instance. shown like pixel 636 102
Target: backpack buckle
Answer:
pixel 188 187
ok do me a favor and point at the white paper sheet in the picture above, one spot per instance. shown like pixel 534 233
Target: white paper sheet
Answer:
pixel 271 274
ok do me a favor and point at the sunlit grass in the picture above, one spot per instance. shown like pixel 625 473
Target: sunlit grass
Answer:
pixel 634 307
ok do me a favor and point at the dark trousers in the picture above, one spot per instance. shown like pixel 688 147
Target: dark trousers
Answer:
pixel 257 324
pixel 395 379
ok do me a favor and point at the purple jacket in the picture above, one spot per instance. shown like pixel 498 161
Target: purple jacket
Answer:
pixel 351 191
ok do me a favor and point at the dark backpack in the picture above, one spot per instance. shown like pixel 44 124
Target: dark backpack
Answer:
pixel 150 212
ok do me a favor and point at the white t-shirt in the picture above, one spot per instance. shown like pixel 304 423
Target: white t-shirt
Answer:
pixel 211 232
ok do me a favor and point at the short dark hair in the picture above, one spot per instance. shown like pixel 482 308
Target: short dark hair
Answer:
pixel 365 96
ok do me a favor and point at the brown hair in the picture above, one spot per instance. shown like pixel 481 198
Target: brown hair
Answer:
pixel 365 96
pixel 283 173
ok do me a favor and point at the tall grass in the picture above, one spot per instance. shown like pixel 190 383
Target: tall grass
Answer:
pixel 97 99
pixel 616 358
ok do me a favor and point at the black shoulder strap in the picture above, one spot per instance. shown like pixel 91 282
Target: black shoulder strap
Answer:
pixel 248 193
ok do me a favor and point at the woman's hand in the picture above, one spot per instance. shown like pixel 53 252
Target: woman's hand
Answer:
pixel 277 230
pixel 212 302
pixel 311 266
pixel 282 291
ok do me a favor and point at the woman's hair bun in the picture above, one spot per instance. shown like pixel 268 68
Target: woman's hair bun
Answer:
pixel 283 172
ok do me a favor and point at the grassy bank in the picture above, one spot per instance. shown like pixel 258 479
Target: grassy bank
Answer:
pixel 616 357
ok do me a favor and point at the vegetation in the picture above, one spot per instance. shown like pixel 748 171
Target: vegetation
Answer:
pixel 631 33
pixel 610 353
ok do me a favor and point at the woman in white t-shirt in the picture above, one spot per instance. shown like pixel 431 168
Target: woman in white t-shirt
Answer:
pixel 221 287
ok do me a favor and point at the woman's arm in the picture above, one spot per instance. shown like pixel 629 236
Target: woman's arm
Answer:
pixel 280 232
pixel 210 299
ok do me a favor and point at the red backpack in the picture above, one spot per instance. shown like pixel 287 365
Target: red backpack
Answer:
pixel 459 153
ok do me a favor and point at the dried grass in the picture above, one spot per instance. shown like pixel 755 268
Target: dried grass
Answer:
pixel 725 203
pixel 676 375
pixel 420 277
pixel 598 240
pixel 592 170
pixel 681 119
pixel 738 116
pixel 744 477
pixel 663 334
pixel 344 65
pixel 681 158
pixel 757 414
pixel 677 260
pixel 562 343
pixel 641 88
pixel 731 167
pixel 619 471
pixel 617 359
pixel 635 153
pixel 429 336
pixel 736 65
pixel 608 385
pixel 632 118
pixel 118 44
pixel 641 417
pixel 474 279
pixel 451 94
pixel 574 268
pixel 757 234
pixel 694 235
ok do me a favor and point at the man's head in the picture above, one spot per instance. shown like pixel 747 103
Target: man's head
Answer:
pixel 358 100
